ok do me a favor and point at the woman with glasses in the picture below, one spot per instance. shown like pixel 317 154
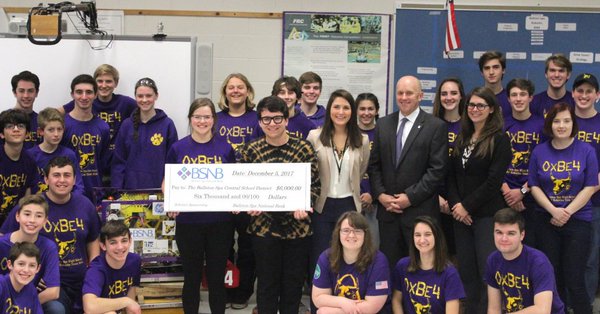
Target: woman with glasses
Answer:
pixel 563 175
pixel 351 276
pixel 476 171
pixel 426 266
pixel 343 155
pixel 142 142
pixel 203 236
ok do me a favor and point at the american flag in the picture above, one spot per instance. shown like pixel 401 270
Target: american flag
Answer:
pixel 381 285
pixel 452 38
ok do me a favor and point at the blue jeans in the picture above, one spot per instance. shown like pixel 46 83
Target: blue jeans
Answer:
pixel 593 263
pixel 567 248
pixel 54 307
pixel 530 224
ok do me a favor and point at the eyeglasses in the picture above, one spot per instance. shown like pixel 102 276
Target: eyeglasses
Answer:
pixel 19 126
pixel 479 107
pixel 347 231
pixel 276 119
pixel 202 118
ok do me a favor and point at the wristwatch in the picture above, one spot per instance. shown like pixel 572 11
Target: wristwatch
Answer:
pixel 524 190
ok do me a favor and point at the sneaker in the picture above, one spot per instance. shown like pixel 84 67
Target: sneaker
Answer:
pixel 239 306
pixel 302 309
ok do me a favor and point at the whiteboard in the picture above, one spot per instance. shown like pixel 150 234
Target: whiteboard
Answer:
pixel 170 63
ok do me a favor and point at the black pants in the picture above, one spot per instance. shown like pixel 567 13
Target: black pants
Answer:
pixel 244 260
pixel 281 271
pixel 474 244
pixel 198 243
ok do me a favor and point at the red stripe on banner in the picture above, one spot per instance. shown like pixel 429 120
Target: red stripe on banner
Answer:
pixel 452 38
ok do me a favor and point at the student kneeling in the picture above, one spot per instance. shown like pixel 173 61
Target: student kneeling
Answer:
pixel 17 293
pixel 519 277
pixel 110 281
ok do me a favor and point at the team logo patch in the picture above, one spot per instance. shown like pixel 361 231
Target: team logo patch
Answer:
pixel 156 139
pixel 317 272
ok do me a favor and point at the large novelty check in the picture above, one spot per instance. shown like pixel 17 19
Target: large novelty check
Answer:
pixel 237 187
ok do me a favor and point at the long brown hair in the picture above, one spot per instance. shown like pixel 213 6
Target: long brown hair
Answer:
pixel 440 249
pixel 367 251
pixel 354 134
pixel 438 109
pixel 493 125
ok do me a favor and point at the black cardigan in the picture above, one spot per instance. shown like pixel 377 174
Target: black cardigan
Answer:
pixel 478 185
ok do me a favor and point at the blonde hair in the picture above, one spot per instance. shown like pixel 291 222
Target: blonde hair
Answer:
pixel 223 104
pixel 107 69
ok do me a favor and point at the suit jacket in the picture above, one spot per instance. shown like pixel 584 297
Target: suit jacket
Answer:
pixel 477 185
pixel 359 160
pixel 421 171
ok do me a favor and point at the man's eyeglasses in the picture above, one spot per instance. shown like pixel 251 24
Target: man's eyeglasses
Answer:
pixel 10 126
pixel 276 119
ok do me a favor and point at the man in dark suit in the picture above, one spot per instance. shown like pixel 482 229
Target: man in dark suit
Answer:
pixel 406 168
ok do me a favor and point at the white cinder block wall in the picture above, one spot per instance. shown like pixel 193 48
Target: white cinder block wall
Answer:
pixel 253 46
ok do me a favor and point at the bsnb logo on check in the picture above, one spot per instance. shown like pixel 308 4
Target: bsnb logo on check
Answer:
pixel 201 173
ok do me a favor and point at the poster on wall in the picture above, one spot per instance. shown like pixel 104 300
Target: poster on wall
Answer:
pixel 348 50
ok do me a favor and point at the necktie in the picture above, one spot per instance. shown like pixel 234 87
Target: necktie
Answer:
pixel 399 140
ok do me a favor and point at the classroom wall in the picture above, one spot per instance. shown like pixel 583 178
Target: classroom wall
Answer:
pixel 253 45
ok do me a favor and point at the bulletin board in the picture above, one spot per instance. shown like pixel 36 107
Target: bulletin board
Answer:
pixel 348 50
pixel 526 37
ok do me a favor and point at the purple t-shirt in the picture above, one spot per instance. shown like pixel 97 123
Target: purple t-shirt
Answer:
pixel 453 131
pixel 542 103
pixel 589 132
pixel 32 138
pixel 374 281
pixel 15 178
pixel 520 279
pixel 42 158
pixel 89 140
pixel 365 185
pixel 114 112
pixel 48 257
pixel 215 151
pixel 318 118
pixel 426 290
pixel 524 136
pixel 72 226
pixel 562 173
pixel 502 98
pixel 25 301
pixel 140 163
pixel 237 130
pixel 104 281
